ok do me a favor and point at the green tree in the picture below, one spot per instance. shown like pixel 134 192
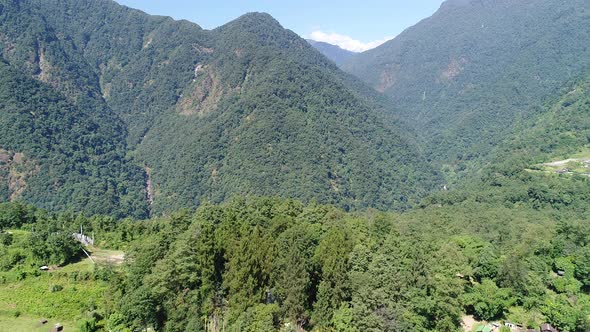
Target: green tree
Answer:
pixel 488 301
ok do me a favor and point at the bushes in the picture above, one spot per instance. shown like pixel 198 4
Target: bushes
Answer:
pixel 55 288
pixel 5 239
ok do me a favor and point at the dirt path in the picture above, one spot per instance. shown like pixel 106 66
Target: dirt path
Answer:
pixel 563 162
pixel 108 256
pixel 468 323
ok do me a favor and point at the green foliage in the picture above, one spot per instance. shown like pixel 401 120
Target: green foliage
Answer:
pixel 67 159
pixel 5 238
pixel 265 114
pixel 88 326
pixel 295 129
pixel 343 319
pixel 265 264
pixel 582 269
pixel 258 318
pixel 14 215
pixel 488 301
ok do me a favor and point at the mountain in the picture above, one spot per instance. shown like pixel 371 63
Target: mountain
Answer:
pixel 463 76
pixel 266 114
pixel 559 131
pixel 192 115
pixel 332 52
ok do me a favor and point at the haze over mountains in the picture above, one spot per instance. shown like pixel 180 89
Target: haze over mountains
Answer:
pixel 463 76
pixel 332 52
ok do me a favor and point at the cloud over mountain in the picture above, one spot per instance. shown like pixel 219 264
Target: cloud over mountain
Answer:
pixel 346 42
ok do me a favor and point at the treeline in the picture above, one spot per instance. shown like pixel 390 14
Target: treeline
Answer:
pixel 265 264
pixel 31 238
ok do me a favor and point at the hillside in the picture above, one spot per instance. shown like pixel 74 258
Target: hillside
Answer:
pixel 272 116
pixel 332 52
pixel 463 76
pixel 561 129
pixel 248 108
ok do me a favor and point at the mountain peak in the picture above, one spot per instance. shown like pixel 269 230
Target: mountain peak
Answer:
pixel 457 2
pixel 254 20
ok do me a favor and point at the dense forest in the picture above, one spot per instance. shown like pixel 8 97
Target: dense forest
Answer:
pixel 55 154
pixel 511 244
pixel 492 248
pixel 156 176
pixel 264 264
pixel 247 108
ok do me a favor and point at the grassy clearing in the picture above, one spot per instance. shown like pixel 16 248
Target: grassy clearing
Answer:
pixel 583 154
pixel 576 164
pixel 25 323
pixel 63 295
pixel 102 256
pixel 51 296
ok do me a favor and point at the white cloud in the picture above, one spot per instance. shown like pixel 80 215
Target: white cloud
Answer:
pixel 346 42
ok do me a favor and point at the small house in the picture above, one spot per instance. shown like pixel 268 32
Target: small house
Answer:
pixel 548 328
pixel 513 326
pixel 57 328
pixel 483 328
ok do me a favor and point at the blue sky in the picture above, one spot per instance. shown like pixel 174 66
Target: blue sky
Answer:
pixel 355 25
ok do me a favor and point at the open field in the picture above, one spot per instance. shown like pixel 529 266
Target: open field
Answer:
pixel 25 323
pixel 33 299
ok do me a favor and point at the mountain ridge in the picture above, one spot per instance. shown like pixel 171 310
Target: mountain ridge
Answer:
pixel 464 75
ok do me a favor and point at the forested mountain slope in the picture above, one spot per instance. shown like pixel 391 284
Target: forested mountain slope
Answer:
pixel 61 147
pixel 272 116
pixel 545 163
pixel 464 75
pixel 512 244
pixel 107 110
pixel 248 108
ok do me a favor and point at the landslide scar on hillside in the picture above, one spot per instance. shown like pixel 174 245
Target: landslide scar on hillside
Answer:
pixel 388 77
pixel 203 94
pixel 15 170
